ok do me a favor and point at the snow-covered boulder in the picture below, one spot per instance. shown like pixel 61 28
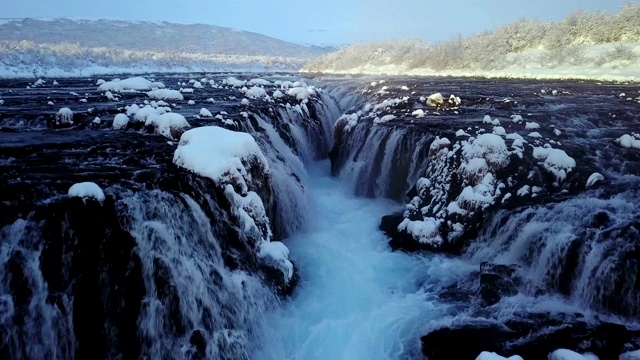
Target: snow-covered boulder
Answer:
pixel 233 82
pixel 205 113
pixel 435 100
pixel 255 92
pixel 120 121
pixel 165 94
pixel 130 84
pixel 64 117
pixel 169 125
pixel 86 190
pixel 564 354
pixel 629 141
pixel 485 355
pixel 593 179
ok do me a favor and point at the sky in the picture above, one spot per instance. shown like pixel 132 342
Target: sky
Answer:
pixel 320 22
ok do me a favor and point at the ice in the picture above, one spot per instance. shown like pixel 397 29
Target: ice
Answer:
pixel 87 190
pixel 120 121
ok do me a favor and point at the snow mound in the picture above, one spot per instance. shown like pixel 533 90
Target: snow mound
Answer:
pixel 191 102
pixel 261 82
pixel 167 124
pixel 142 114
pixel 165 94
pixel 633 355
pixel 277 94
pixel 86 190
pixel 64 116
pixel 493 356
pixel 426 231
pixel 276 254
pixel 564 354
pixel 593 179
pixel 120 121
pixel 384 119
pixel 301 93
pixel 435 100
pixel 532 126
pixel 205 113
pixel 491 147
pixel 347 121
pixel 255 92
pixel 218 153
pixel 232 81
pixel 418 113
pixel 629 141
pixel 555 161
pixel 133 83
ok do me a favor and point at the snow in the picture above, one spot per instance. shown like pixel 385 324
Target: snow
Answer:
pixel 633 355
pixel 276 253
pixel 197 85
pixel 349 121
pixel 384 119
pixel 301 93
pixel 218 153
pixel 120 121
pixel 534 134
pixel 499 130
pixel 488 146
pixel 167 123
pixel 86 190
pixel 493 356
pixel 593 179
pixel 425 231
pixel 96 121
pixel 277 94
pixel 629 141
pixel 487 120
pixel 64 116
pixel 564 354
pixel 418 113
pixel 261 82
pixel 191 103
pixel 244 102
pixel 165 94
pixel 142 114
pixel 454 100
pixel 255 92
pixel 50 103
pixel 516 118
pixel 461 133
pixel 232 81
pixel 132 83
pixel 555 161
pixel 205 113
pixel 435 100
pixel 404 88
pixel 532 126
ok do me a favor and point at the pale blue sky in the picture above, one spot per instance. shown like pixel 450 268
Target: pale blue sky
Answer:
pixel 335 22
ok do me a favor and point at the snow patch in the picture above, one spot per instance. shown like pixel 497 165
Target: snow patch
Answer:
pixel 86 190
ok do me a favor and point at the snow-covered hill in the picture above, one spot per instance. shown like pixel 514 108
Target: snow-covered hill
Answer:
pixel 59 47
pixel 584 45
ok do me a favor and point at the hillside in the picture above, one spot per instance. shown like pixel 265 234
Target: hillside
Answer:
pixel 584 45
pixel 61 47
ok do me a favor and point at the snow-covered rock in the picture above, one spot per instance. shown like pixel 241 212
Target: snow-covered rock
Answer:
pixel 485 355
pixel 169 125
pixel 418 113
pixel 120 121
pixel 232 81
pixel 205 113
pixel 383 119
pixel 632 355
pixel 165 94
pixel 593 179
pixel 191 102
pixel 435 100
pixel 564 354
pixel 629 141
pixel 64 116
pixel 277 94
pixel 219 154
pixel 133 83
pixel 255 92
pixel 276 254
pixel 555 161
pixel 86 190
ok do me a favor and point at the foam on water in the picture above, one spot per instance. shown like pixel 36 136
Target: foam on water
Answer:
pixel 357 299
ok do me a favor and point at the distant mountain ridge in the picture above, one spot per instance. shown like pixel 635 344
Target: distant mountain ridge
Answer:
pixel 154 36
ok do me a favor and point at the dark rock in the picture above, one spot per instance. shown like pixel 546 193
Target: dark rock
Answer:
pixel 496 281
